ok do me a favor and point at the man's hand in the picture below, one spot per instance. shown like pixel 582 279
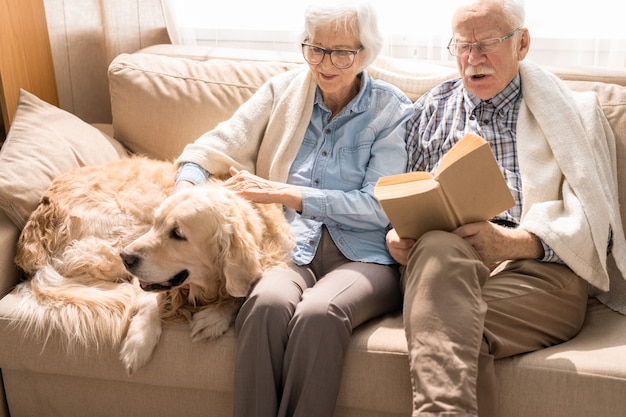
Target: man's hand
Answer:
pixel 495 243
pixel 399 248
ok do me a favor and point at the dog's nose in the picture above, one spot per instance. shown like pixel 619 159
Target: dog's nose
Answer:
pixel 129 259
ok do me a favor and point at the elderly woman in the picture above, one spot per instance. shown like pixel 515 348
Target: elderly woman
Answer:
pixel 314 140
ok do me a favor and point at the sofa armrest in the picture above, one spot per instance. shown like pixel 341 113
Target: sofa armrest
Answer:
pixel 9 274
pixel 9 277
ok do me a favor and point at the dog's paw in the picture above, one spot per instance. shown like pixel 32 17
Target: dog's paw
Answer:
pixel 142 336
pixel 211 322
pixel 137 350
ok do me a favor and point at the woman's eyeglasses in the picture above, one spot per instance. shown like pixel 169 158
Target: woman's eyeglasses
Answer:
pixel 340 58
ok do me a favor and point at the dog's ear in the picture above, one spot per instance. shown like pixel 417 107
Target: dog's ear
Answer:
pixel 242 264
pixel 242 268
pixel 240 280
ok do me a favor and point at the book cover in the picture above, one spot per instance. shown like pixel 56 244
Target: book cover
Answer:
pixel 467 187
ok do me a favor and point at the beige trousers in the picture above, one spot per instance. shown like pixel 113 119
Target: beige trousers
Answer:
pixel 459 317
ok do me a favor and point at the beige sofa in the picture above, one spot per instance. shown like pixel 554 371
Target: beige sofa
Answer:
pixel 161 99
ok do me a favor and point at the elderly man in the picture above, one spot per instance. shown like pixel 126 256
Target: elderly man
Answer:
pixel 520 282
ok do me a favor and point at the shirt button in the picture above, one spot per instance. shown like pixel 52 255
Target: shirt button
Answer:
pixel 311 242
pixel 485 122
pixel 324 153
pixel 327 131
pixel 317 181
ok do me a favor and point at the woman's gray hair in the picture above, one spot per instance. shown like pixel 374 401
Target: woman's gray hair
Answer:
pixel 358 17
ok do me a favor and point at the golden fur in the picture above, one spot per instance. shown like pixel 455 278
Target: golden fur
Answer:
pixel 196 252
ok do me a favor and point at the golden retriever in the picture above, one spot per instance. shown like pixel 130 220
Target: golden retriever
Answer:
pixel 195 254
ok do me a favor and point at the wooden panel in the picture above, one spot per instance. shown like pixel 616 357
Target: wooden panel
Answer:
pixel 3 133
pixel 25 57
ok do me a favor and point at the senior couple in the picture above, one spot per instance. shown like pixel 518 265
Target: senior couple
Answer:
pixel 316 140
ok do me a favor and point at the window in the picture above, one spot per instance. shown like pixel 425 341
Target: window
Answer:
pixel 562 33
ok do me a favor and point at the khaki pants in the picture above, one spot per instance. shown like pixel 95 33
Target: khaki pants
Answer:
pixel 295 327
pixel 459 317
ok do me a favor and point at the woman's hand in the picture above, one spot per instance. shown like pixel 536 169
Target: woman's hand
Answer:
pixel 259 190
pixel 181 185
pixel 399 248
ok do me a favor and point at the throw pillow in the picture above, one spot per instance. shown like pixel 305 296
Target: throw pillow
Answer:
pixel 43 142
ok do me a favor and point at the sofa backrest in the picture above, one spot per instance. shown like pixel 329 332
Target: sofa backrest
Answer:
pixel 160 103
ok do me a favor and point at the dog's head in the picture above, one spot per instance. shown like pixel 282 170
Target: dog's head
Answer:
pixel 201 236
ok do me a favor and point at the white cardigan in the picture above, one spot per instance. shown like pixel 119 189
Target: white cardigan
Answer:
pixel 569 176
pixel 265 133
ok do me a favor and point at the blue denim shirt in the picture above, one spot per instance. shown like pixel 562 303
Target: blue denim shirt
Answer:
pixel 338 165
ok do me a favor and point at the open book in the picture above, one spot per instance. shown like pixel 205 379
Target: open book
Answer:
pixel 467 187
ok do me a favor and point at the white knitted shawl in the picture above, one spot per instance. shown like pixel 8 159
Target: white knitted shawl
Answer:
pixel 568 167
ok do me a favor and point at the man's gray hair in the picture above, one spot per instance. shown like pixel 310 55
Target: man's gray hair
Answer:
pixel 516 11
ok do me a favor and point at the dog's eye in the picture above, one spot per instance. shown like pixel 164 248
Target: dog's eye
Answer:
pixel 176 234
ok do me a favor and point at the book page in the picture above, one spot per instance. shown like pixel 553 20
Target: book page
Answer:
pixel 403 178
pixel 467 144
pixel 401 185
pixel 474 185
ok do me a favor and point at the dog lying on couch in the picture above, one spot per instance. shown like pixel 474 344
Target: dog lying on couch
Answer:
pixel 195 252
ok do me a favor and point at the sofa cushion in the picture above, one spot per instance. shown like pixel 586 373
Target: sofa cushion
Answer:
pixel 582 377
pixel 413 77
pixel 44 142
pixel 375 380
pixel 160 103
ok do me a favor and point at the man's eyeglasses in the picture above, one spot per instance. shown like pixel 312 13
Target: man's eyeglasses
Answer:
pixel 340 58
pixel 486 46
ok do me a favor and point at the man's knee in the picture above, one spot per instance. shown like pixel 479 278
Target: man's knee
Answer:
pixel 437 241
pixel 443 256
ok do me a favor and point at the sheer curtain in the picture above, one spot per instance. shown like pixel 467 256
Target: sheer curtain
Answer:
pixel 562 33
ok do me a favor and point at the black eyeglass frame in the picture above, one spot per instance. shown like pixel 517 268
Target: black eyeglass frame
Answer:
pixel 470 45
pixel 330 52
